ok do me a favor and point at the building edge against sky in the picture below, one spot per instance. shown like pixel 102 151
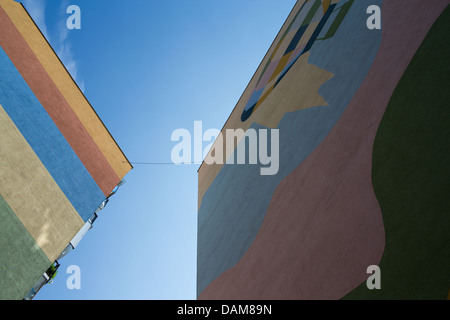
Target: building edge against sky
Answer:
pixel 363 180
pixel 59 163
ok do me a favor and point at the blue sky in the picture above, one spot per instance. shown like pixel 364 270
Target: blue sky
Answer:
pixel 148 68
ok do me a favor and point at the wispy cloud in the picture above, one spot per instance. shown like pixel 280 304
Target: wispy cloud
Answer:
pixel 36 8
pixel 57 34
pixel 64 46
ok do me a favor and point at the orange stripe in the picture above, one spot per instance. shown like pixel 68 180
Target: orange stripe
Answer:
pixel 56 106
pixel 326 5
pixel 67 86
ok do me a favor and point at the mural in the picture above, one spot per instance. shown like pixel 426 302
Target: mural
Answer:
pixel 362 177
pixel 299 38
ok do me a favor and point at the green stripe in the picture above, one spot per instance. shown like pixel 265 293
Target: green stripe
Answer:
pixel 343 10
pixel 282 38
pixel 312 12
pixel 22 262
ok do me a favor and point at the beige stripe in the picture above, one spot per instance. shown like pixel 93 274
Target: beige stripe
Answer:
pixel 32 194
pixel 67 87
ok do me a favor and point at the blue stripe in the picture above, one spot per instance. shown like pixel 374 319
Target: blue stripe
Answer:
pixel 296 39
pixel 310 43
pixel 44 137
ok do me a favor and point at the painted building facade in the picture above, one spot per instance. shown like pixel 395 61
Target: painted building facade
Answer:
pixel 58 162
pixel 364 146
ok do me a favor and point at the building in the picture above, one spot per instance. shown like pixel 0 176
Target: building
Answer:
pixel 359 205
pixel 58 163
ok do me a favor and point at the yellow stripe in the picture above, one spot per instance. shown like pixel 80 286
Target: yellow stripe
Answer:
pixel 67 87
pixel 326 5
pixel 32 194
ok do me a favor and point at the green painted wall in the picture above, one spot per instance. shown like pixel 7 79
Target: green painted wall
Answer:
pixel 21 259
pixel 411 177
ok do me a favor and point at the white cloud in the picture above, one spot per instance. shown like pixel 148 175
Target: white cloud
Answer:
pixel 36 9
pixel 57 35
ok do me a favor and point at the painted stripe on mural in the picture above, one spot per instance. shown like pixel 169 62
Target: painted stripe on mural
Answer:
pixel 22 262
pixel 208 173
pixel 67 87
pixel 32 193
pixel 57 107
pixel 47 141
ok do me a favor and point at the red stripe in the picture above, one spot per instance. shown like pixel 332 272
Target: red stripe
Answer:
pixel 62 114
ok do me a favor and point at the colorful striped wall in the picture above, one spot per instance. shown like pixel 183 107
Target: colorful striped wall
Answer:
pixel 364 125
pixel 58 162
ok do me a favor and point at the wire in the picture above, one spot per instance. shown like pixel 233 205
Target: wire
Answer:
pixel 161 163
